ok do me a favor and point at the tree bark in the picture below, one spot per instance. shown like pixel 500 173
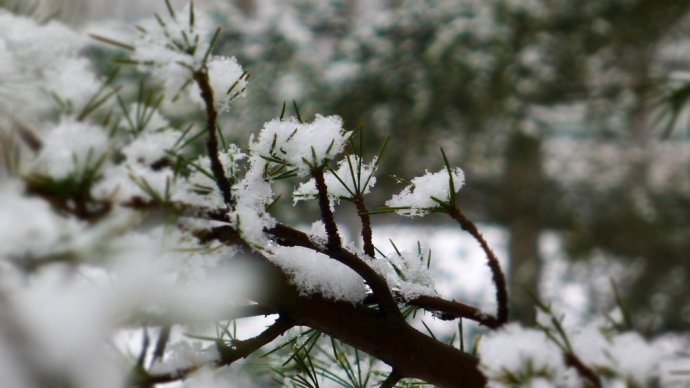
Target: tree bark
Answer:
pixel 523 188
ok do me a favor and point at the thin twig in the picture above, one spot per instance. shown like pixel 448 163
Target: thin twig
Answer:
pixel 334 242
pixel 494 265
pixel 161 344
pixel 593 381
pixel 202 80
pixel 363 213
pixel 447 309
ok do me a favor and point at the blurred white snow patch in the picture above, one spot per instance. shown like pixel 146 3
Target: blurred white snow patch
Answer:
pixel 520 351
pixel 288 87
pixel 633 357
pixel 12 373
pixel 150 147
pixel 68 319
pixel 70 146
pixel 313 272
pixel 416 199
pixel 152 272
pixel 73 81
pixel 578 288
pixel 183 354
pixel 225 377
pixel 29 226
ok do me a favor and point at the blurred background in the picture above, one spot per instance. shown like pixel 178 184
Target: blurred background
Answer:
pixel 570 119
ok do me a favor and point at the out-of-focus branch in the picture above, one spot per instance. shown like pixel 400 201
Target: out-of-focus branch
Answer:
pixel 592 380
pixel 228 355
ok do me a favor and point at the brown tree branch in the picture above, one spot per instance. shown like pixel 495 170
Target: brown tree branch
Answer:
pixel 454 310
pixel 224 185
pixel 494 265
pixel 392 379
pixel 367 237
pixel 410 352
pixel 326 213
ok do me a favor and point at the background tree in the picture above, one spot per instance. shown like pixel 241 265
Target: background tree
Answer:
pixel 507 83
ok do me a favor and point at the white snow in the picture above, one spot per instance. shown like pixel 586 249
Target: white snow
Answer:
pixel 349 178
pixel 417 199
pixel 305 146
pixel 224 73
pixel 514 349
pixel 313 272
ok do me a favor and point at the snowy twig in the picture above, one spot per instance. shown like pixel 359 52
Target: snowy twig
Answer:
pixel 363 213
pixel 454 310
pixel 495 266
pixel 202 80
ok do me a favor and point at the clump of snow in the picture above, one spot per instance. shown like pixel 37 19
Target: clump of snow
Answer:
pixel 70 146
pixel 633 358
pixel 304 146
pixel 521 352
pixel 318 234
pixel 226 80
pixel 345 185
pixel 169 50
pixel 313 272
pixel 252 194
pixel 410 274
pixel 418 198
